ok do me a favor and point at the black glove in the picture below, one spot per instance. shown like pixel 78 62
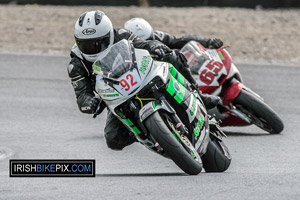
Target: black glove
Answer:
pixel 215 43
pixel 95 101
pixel 181 58
pixel 159 49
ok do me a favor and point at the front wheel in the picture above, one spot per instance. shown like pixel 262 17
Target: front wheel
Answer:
pixel 160 127
pixel 259 112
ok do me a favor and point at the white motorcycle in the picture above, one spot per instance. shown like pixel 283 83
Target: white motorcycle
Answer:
pixel 154 101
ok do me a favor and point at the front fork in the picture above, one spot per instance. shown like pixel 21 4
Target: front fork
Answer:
pixel 179 125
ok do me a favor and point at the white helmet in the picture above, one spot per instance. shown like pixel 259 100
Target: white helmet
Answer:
pixel 93 33
pixel 139 27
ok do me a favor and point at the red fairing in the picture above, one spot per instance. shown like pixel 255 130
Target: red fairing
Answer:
pixel 232 92
pixel 227 61
pixel 208 74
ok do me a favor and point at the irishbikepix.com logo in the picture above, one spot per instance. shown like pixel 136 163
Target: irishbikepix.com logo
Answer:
pixel 52 168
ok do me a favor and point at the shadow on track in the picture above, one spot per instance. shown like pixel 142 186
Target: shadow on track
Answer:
pixel 238 134
pixel 141 174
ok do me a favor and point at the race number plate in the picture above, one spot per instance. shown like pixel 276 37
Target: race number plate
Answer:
pixel 211 71
pixel 128 82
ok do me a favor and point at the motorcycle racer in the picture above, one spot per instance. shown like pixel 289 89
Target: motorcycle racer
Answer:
pixel 143 29
pixel 94 33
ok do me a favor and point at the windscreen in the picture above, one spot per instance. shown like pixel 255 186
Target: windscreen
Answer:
pixel 115 60
pixel 195 56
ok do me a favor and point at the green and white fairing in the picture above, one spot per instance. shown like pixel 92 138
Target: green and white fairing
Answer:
pixel 117 63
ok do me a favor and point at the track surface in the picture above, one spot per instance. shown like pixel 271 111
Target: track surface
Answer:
pixel 39 119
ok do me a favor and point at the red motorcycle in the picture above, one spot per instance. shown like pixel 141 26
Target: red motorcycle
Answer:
pixel 216 74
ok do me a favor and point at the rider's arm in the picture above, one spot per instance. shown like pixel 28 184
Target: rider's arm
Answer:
pixel 154 47
pixel 177 43
pixel 82 85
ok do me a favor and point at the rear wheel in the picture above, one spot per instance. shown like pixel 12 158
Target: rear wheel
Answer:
pixel 259 112
pixel 160 127
pixel 217 157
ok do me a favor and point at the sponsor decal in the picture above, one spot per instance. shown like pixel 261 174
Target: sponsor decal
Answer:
pixel 89 31
pixel 52 168
pixel 85 108
pixel 192 111
pixel 109 90
pixel 198 127
pixel 198 143
pixel 110 95
pixel 145 63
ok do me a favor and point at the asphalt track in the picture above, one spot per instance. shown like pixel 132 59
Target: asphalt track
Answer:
pixel 39 119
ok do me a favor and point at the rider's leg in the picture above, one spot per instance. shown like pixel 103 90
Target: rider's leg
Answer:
pixel 116 134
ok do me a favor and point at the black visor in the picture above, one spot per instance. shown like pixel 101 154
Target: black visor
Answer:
pixel 94 45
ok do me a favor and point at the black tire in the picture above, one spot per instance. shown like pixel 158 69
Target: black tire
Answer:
pixel 260 113
pixel 163 135
pixel 217 157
